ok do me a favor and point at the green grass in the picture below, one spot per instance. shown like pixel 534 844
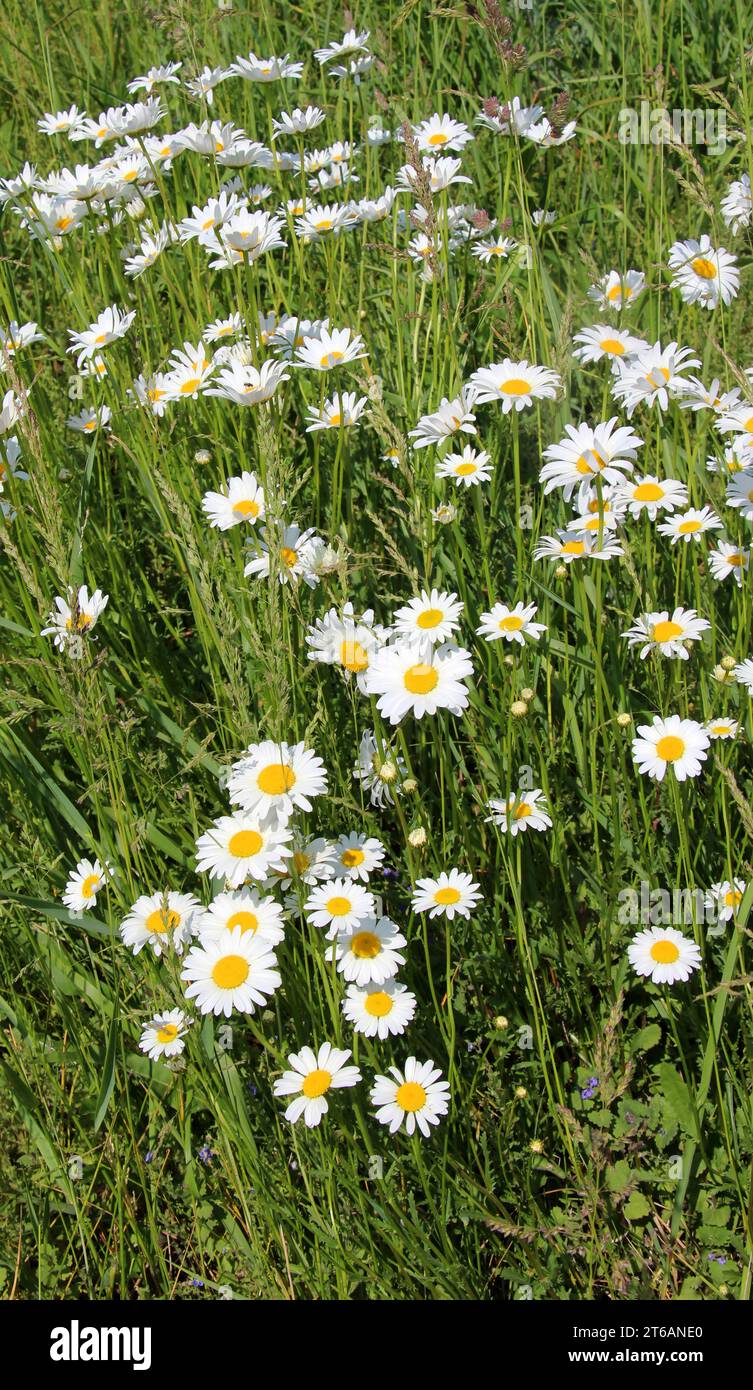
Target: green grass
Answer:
pixel 190 1179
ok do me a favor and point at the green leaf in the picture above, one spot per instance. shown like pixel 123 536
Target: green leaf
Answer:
pixel 636 1207
pixel 678 1098
pixel 646 1038
pixel 108 1075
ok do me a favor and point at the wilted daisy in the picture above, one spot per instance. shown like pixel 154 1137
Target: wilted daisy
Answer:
pixel 419 677
pixel 690 525
pixel 247 910
pixel 703 274
pixel 721 728
pixel 379 771
pixel 340 905
pixel 370 953
pixel 453 417
pixel 236 970
pixel 516 385
pixel 342 412
pixel 652 376
pixel 450 894
pixel 725 898
pixel 75 617
pixel 736 205
pixel 276 779
pixel 664 954
pixel 652 495
pixel 434 615
pixel 523 810
pixel 379 1011
pixel 606 451
pixel 674 742
pixel 415 1097
pixel 603 340
pixel 311 1076
pixel 331 348
pixel 83 885
pixel 468 469
pixel 164 1034
pixel 161 920
pixel 729 559
pixel 243 501
pixel 295 553
pixel 615 291
pixel 242 846
pixel 665 634
pixel 512 624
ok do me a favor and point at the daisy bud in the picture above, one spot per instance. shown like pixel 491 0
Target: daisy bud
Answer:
pixel 536 1146
pixel 417 837
pixel 501 1022
pixel 520 1093
pixel 729 662
pixel 527 693
pixel 561 572
pixel 624 720
pixel 519 708
pixel 721 674
pixel 387 772
pixel 202 456
pixel 410 785
pixel 445 513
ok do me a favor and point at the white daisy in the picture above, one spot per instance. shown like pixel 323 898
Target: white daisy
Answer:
pixel 512 624
pixel 516 385
pixel 242 846
pixel 452 417
pixel 729 559
pixel 450 894
pixel 234 970
pixel 725 898
pixel 164 1034
pixel 243 501
pixel 434 615
pixel 664 954
pixel 652 495
pixel 603 340
pixel 379 1011
pixel 704 274
pixel 83 885
pixel 161 920
pixel 665 634
pixel 419 677
pixel 340 905
pixel 247 910
pixel 674 742
pixel 721 728
pixel 416 1097
pixel 523 810
pixel 276 779
pixel 311 1076
pixel 468 469
pixel 743 674
pixel 370 953
pixel 690 525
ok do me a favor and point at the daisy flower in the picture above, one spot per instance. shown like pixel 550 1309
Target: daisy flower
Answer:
pixel 703 274
pixel 674 742
pixel 330 349
pixel 419 677
pixel 370 953
pixel 340 905
pixel 357 855
pixel 255 69
pixel 163 1035
pixel 246 385
pixel 346 641
pixel 298 122
pixel 669 636
pixel 690 525
pixel 351 43
pixel 312 861
pixel 606 451
pixel 491 250
pixel 294 551
pixel 652 376
pixel 729 559
pixel 276 779
pixel 515 384
pixel 107 328
pixel 451 893
pixel 523 810
pixel 415 1097
pixel 60 122
pixel 740 494
pixel 441 132
pixel 240 847
pixel 234 971
pixel 341 412
pixel 189 372
pixel 204 83
pixel 468 469
pixel 378 770
pixel 89 421
pixel 311 1076
pixel 653 495
pixel 223 328
pixel 434 615
pixel 664 954
pixel 379 1011
pixel 243 501
pixel 453 417
pixel 512 624
pixel 75 617
pixel 743 674
pixel 725 898
pixel 83 885
pixel 615 291
pixel 568 546
pixel 721 728
pixel 160 920
pixel 736 205
pixel 324 220
pixel 602 340
pixel 248 911
pixel 696 396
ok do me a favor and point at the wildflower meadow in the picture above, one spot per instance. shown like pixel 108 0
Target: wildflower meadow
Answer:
pixel 376 491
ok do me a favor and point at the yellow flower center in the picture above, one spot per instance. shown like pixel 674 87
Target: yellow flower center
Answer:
pixel 670 748
pixel 353 656
pixel 335 419
pixel 365 945
pixel 90 885
pixel 732 898
pixel 735 560
pixel 512 623
pixel 352 857
pixel 230 971
pixel 515 386
pixel 247 921
pixel 431 617
pixel 664 952
pixel 573 548
pixel 420 679
pixel 159 922
pixel 522 810
pixel 246 508
pixel 324 226
pixel 613 346
pixel 244 843
pixel 648 492
pixel 378 1004
pixel 463 470
pixel 617 291
pixel 687 528
pixel 275 779
pixel 664 632
pixel 704 267
pixel 439 138
pixel 167 1033
pixel 188 387
pixel 301 861
pixel 339 907
pixel 447 897
pixel 316 1083
pixel 330 358
pixel 288 556
pixel 411 1096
